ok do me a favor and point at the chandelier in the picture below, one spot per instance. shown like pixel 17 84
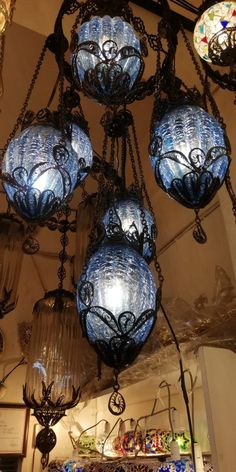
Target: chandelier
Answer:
pixel 117 291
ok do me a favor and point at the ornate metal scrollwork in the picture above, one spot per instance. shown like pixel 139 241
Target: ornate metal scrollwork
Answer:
pixel 120 349
pixel 107 82
pixel 197 187
pixel 48 413
pixel 222 47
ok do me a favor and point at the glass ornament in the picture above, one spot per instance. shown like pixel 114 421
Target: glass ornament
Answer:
pixel 215 34
pixel 40 171
pixel 189 155
pixel 11 256
pixel 54 351
pixel 106 58
pixel 117 301
pixel 129 219
pixel 177 466
pixel 153 443
pixel 131 443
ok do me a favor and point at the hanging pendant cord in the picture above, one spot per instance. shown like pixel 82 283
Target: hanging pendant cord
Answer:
pixel 183 384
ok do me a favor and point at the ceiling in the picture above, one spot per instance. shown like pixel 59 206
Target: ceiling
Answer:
pixel 191 271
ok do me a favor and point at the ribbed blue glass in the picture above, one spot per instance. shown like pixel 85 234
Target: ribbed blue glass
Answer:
pixel 107 30
pixel 185 140
pixel 127 213
pixel 41 173
pixel 122 282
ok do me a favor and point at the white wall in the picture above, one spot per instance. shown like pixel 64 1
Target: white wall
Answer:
pixel 218 368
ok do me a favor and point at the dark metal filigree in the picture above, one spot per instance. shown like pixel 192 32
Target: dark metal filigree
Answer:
pixel 5 306
pixel 30 246
pixel 143 242
pixel 48 413
pixel 222 47
pixel 107 82
pixel 198 185
pixel 198 232
pixel 120 349
pixel 116 403
pixel 31 203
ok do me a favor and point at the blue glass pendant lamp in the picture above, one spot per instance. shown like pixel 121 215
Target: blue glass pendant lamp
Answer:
pixel 40 170
pixel 107 53
pixel 117 300
pixel 189 155
pixel 127 218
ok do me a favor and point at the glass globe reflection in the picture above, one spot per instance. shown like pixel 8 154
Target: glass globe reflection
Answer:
pixel 106 58
pixel 129 216
pixel 215 34
pixel 39 171
pixel 117 303
pixel 189 155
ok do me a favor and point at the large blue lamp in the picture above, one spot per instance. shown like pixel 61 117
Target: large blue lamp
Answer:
pixel 117 301
pixel 40 169
pixel 189 155
pixel 106 58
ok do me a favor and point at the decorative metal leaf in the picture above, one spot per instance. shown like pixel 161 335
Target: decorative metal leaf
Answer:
pixel 86 293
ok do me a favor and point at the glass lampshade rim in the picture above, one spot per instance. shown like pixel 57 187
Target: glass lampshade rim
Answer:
pixel 64 295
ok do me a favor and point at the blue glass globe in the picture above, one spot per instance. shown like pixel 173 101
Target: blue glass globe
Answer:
pixel 189 155
pixel 130 217
pixel 106 59
pixel 117 301
pixel 39 172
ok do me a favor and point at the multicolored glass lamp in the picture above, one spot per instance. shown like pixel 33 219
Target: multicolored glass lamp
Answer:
pixel 107 53
pixel 215 33
pixel 189 155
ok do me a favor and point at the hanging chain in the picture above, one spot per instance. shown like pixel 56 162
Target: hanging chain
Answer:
pixel 61 99
pixel 133 165
pixel 203 80
pixel 63 256
pixel 150 207
pixel 98 206
pixel 28 95
pixel 157 93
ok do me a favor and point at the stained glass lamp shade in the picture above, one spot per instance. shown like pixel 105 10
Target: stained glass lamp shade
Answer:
pixel 117 302
pixel 106 58
pixel 215 34
pixel 11 255
pixel 135 222
pixel 189 155
pixel 39 172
